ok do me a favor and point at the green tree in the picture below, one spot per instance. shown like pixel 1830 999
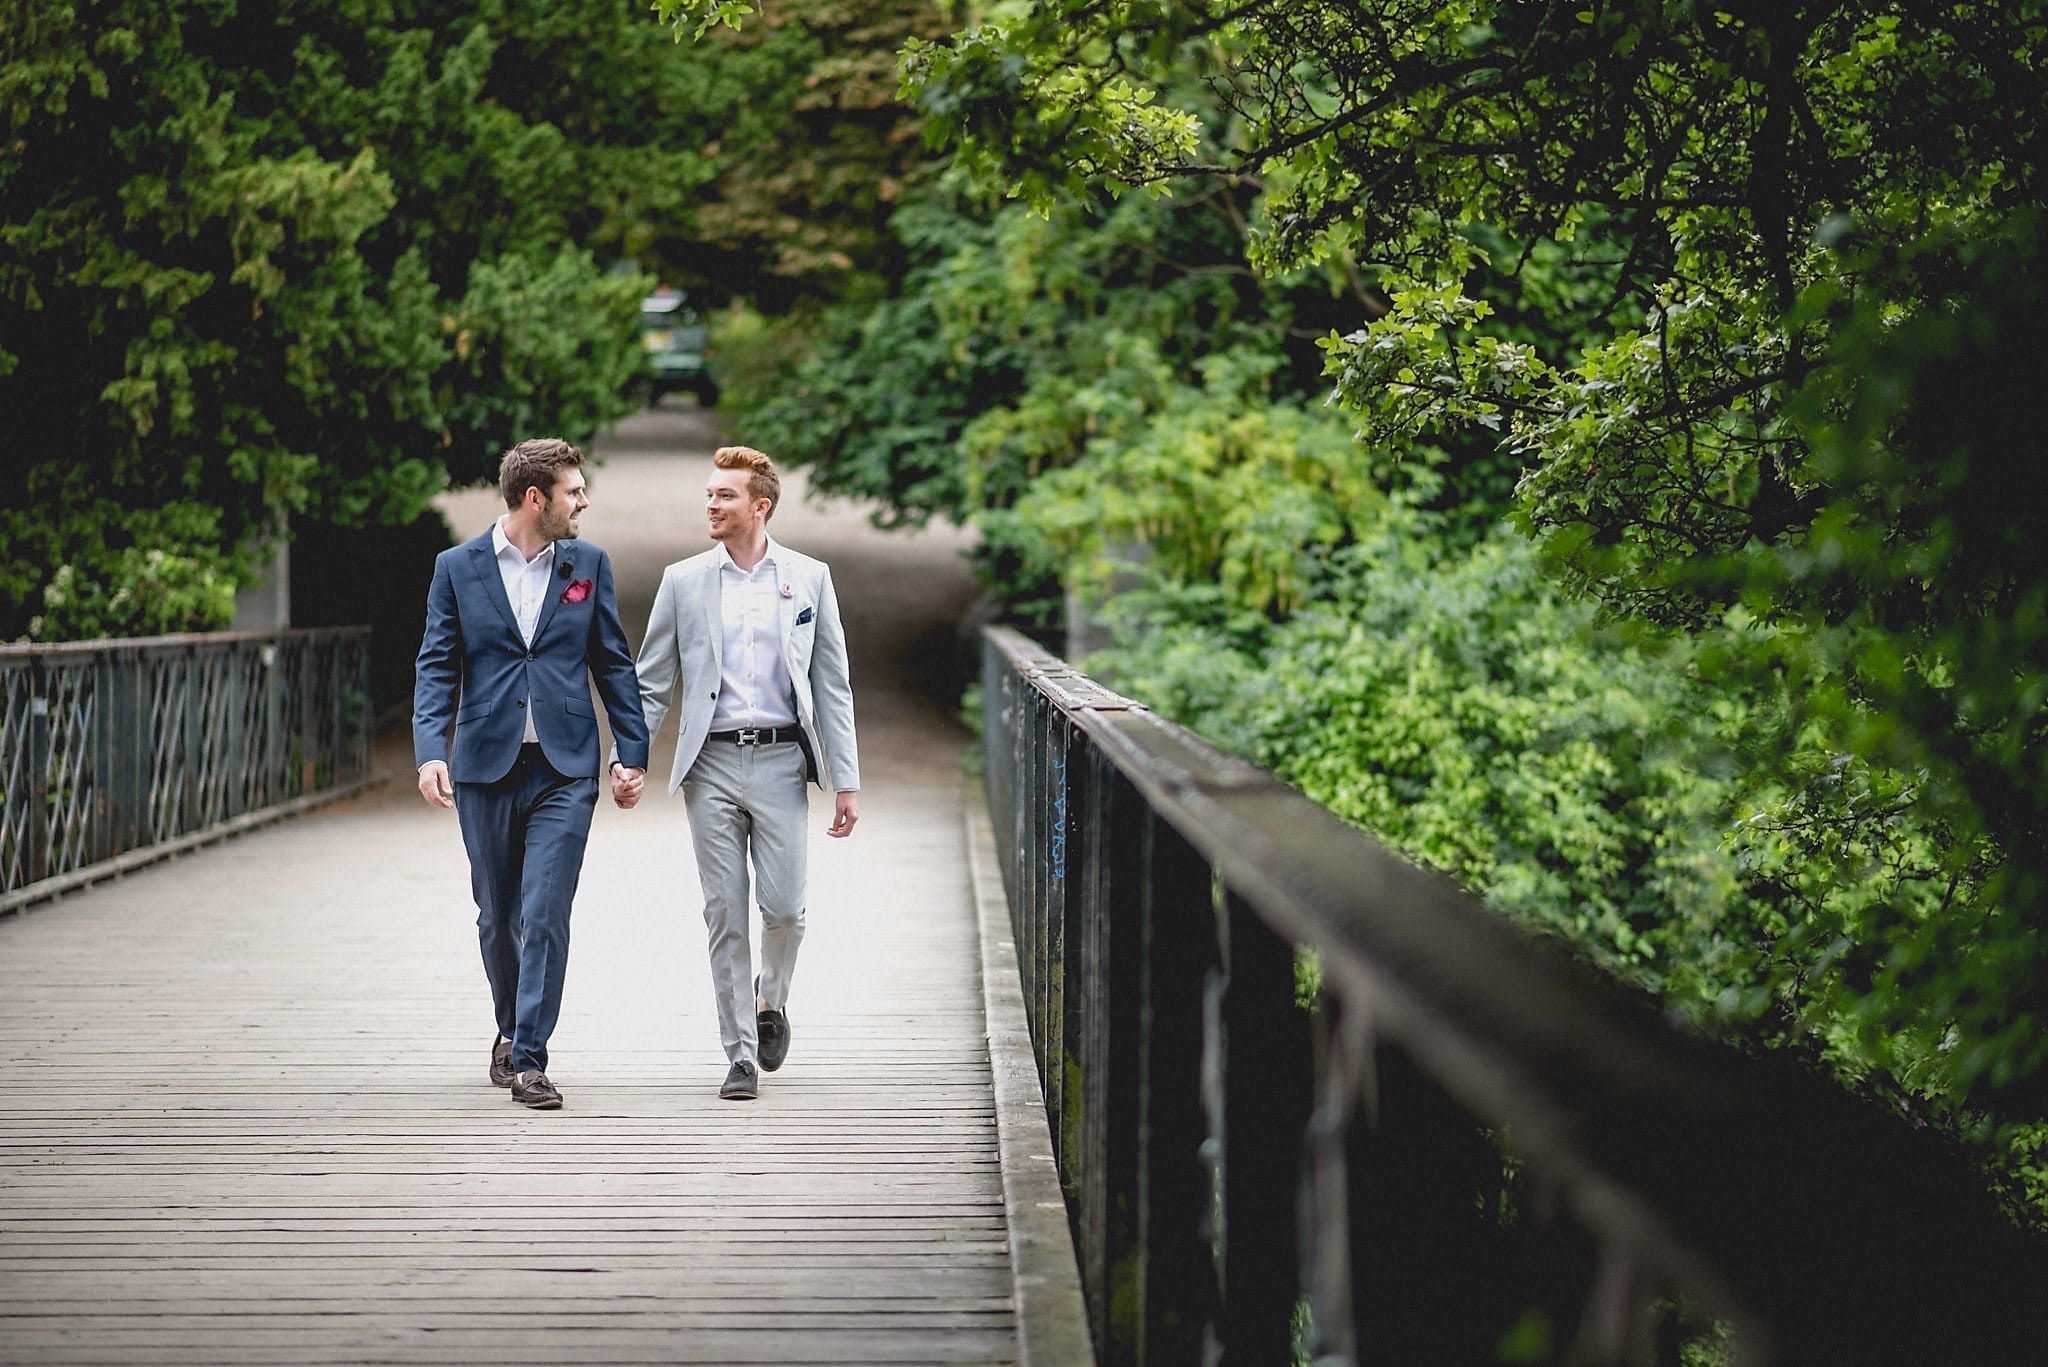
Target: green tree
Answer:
pixel 309 265
pixel 809 151
pixel 1471 716
pixel 256 269
pixel 1017 345
pixel 1731 308
pixel 1794 245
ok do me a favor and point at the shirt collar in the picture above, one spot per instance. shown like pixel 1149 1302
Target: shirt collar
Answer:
pixel 501 544
pixel 726 562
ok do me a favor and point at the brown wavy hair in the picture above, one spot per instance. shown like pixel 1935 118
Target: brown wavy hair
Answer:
pixel 535 464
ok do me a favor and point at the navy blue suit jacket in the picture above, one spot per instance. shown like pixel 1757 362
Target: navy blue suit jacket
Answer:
pixel 474 676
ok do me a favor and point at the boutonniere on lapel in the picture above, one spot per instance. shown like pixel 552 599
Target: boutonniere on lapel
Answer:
pixel 579 589
pixel 787 590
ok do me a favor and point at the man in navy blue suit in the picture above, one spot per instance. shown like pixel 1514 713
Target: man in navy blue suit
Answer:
pixel 520 620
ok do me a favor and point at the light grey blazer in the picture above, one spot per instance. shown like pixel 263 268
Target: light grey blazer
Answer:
pixel 679 661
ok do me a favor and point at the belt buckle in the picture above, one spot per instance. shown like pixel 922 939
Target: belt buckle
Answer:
pixel 749 735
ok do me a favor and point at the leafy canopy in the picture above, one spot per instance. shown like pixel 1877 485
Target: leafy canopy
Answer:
pixel 1776 408
pixel 1730 308
pixel 264 267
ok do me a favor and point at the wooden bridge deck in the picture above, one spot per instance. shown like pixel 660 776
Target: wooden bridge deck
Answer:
pixel 245 1116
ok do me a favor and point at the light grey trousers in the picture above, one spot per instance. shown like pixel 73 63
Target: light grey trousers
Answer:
pixel 749 800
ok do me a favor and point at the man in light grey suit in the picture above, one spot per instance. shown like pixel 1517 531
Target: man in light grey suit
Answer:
pixel 746 640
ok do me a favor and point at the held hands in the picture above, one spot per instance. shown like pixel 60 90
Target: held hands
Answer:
pixel 434 785
pixel 626 784
pixel 845 811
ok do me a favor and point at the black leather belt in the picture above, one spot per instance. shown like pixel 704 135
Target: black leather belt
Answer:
pixel 759 735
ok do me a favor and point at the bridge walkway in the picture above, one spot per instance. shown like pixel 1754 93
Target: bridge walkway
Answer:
pixel 245 1115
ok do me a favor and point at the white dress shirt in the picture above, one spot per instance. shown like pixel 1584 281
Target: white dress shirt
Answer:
pixel 526 586
pixel 753 685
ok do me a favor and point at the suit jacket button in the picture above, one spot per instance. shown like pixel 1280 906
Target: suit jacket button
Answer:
pixel 522 702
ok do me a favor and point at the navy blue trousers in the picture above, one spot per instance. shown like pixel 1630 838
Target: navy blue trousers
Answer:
pixel 525 836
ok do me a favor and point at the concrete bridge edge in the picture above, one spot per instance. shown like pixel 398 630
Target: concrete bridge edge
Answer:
pixel 1052 1315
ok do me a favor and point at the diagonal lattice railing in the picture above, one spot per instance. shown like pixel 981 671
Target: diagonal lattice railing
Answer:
pixel 112 748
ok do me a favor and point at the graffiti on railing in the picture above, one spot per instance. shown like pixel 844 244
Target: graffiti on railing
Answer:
pixel 1057 835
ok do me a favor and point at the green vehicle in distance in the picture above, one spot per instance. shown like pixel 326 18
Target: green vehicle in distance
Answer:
pixel 677 341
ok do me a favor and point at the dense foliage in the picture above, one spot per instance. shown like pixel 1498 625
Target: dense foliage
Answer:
pixel 808 153
pixel 270 268
pixel 256 268
pixel 1729 310
pixel 1018 344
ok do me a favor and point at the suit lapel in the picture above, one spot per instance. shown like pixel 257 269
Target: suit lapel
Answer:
pixel 484 560
pixel 714 612
pixel 785 605
pixel 558 584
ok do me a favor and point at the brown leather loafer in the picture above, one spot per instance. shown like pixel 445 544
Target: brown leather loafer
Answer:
pixel 534 1090
pixel 501 1063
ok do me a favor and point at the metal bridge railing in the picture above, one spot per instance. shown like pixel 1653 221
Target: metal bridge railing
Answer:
pixel 1465 1149
pixel 115 752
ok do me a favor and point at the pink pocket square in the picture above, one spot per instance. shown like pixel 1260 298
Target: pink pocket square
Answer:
pixel 577 591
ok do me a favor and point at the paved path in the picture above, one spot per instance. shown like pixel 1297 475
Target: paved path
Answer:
pixel 246 1118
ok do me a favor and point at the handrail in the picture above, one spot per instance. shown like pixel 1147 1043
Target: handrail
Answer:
pixel 113 752
pixel 1470 1146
